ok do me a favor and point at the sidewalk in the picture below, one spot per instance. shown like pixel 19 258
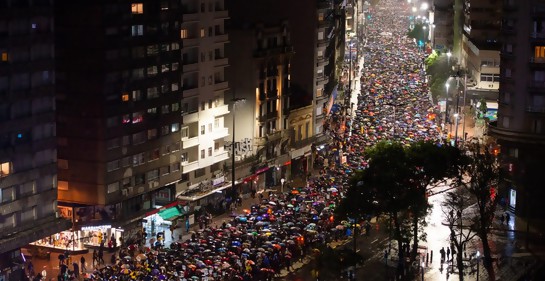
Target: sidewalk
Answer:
pixel 52 266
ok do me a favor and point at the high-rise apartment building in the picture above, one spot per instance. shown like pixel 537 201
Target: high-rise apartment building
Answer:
pixel 481 48
pixel 28 148
pixel 260 56
pixel 139 113
pixel 521 115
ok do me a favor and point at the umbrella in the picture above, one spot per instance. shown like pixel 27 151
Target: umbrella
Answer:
pixel 333 189
pixel 272 203
pixel 141 257
pixel 127 257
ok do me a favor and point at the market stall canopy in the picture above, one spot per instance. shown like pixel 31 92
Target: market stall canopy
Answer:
pixel 171 213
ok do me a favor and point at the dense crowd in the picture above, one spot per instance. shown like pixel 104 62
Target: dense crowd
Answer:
pixel 258 243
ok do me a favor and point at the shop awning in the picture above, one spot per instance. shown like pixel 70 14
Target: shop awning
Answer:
pixel 170 213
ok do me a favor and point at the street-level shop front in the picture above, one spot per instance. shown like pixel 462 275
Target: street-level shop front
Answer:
pixel 82 239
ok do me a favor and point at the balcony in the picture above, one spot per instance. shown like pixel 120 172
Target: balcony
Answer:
pixel 190 42
pixel 187 18
pixel 221 156
pixel 220 133
pixel 274 135
pixel 323 43
pixel 190 67
pixel 515 136
pixel 190 166
pixel 221 86
pixel 222 38
pixel 190 142
pixel 221 110
pixel 191 117
pixel 221 15
pixel 268 116
pixel 321 80
pixel 189 91
pixel 322 61
pixel 223 62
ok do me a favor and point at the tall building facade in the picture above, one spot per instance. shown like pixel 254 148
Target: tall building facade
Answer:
pixel 481 48
pixel 260 54
pixel 521 115
pixel 140 113
pixel 443 19
pixel 28 148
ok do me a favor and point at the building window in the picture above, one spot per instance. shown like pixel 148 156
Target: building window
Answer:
pixel 539 52
pixel 137 95
pixel 209 152
pixel 505 122
pixel 174 167
pixel 165 130
pixel 62 164
pixel 137 30
pixel 7 194
pixel 5 169
pixel 203 153
pixel 154 155
pixel 111 144
pixel 152 175
pixel 184 34
pixel 4 56
pixel 138 159
pixel 137 8
pixel 200 172
pixel 216 123
pixel 203 129
pixel 152 134
pixel 210 128
pixel 216 146
pixel 137 117
pixel 112 165
pixel 174 127
pixel 152 93
pixel 185 132
pixel 113 187
pixel 165 109
pixel 175 107
pixel 125 97
pixel 203 33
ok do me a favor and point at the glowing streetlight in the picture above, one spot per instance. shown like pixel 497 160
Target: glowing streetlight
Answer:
pixel 448 57
pixel 414 9
pixel 424 6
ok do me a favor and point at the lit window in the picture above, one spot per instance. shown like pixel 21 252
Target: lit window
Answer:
pixel 137 8
pixel 539 51
pixel 137 30
pixel 4 56
pixel 126 119
pixel 137 117
pixel 183 34
pixel 5 169
pixel 125 97
pixel 202 32
pixel 174 127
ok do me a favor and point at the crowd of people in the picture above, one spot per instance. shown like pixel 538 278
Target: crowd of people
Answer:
pixel 257 243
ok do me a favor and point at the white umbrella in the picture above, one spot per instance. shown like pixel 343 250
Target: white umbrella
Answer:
pixel 272 203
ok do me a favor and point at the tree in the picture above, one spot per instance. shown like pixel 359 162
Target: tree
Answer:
pixel 430 165
pixel 460 223
pixel 481 178
pixel 396 183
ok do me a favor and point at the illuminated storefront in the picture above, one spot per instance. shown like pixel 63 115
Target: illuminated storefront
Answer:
pixel 80 240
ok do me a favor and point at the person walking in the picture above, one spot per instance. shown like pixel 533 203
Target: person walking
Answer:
pixel 95 258
pixel 101 257
pixel 507 218
pixel 76 269
pixel 442 252
pixel 83 267
pixel 448 254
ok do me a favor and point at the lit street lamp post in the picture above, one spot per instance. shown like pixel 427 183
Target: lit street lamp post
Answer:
pixel 456 115
pixel 449 54
pixel 478 256
pixel 447 121
pixel 235 101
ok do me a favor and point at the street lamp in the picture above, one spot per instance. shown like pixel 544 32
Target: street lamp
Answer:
pixel 478 257
pixel 282 181
pixel 447 121
pixel 422 267
pixel 424 6
pixel 236 101
pixel 448 57
pixel 456 115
